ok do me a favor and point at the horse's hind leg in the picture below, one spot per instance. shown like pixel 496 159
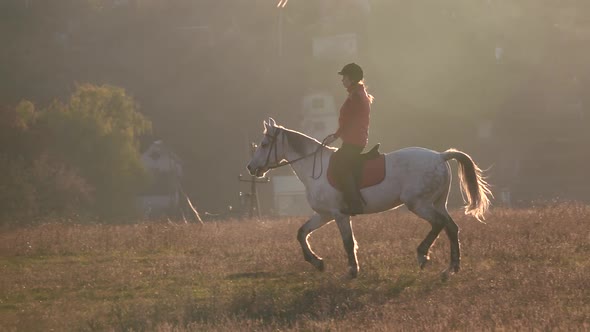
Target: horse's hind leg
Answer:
pixel 426 211
pixel 452 231
pixel 315 222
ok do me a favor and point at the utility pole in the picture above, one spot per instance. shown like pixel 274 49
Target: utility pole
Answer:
pixel 253 195
pixel 280 29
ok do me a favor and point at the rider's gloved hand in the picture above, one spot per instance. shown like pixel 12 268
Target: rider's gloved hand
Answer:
pixel 330 139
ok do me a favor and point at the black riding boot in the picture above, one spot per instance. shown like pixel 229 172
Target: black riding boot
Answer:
pixel 352 197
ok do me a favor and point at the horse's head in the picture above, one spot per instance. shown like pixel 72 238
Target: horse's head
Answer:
pixel 270 152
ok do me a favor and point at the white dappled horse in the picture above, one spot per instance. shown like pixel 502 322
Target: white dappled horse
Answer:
pixel 417 177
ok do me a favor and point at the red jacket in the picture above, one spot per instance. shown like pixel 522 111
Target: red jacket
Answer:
pixel 353 123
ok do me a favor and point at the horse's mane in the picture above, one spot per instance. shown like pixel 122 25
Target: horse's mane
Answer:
pixel 300 141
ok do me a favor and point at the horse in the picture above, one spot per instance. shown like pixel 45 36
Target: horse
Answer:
pixel 416 177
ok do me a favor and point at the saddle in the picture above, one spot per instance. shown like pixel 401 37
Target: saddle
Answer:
pixel 371 154
pixel 372 172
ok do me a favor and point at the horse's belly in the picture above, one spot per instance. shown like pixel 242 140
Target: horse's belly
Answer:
pixel 376 207
pixel 382 197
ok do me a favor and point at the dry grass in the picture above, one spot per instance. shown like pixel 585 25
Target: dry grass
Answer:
pixel 523 270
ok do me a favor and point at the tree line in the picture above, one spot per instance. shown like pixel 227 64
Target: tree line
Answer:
pixel 72 158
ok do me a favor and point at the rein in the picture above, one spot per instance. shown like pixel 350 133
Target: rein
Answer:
pixel 289 162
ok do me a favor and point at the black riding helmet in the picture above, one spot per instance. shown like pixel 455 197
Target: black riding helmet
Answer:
pixel 353 71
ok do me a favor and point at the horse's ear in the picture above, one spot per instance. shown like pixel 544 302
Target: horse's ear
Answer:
pixel 265 124
pixel 272 122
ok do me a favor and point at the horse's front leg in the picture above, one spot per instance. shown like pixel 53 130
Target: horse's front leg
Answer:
pixel 315 222
pixel 350 245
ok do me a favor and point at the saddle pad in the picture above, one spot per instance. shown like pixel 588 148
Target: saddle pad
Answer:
pixel 373 172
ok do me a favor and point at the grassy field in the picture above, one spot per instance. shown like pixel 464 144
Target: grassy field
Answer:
pixel 523 270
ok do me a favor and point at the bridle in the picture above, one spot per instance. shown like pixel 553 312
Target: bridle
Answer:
pixel 273 146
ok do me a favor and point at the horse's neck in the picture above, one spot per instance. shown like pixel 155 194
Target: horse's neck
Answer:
pixel 311 166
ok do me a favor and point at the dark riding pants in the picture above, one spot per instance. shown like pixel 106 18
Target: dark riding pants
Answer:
pixel 347 159
pixel 347 171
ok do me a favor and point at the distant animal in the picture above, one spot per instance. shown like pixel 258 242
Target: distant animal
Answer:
pixel 417 177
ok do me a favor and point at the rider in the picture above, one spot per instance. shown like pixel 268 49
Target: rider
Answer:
pixel 353 129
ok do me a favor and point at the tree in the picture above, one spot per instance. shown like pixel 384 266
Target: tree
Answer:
pixel 34 183
pixel 97 132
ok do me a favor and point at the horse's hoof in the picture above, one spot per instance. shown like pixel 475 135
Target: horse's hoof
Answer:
pixel 444 275
pixel 351 275
pixel 423 260
pixel 319 265
pixel 453 268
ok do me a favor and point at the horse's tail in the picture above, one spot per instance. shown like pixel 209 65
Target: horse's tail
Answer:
pixel 473 184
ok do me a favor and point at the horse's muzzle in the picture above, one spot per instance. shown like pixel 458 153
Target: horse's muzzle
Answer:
pixel 258 172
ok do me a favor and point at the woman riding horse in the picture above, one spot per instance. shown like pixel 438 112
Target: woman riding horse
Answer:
pixel 353 130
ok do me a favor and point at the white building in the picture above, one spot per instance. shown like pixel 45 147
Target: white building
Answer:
pixel 164 192
pixel 289 198
pixel 320 117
